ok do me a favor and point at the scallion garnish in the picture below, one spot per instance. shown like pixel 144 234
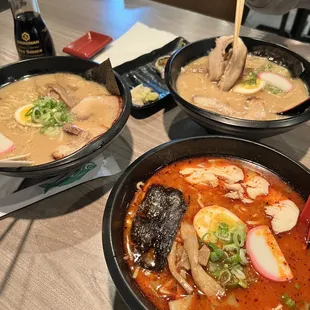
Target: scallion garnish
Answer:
pixel 217 254
pixel 223 232
pixel 50 113
pixel 287 300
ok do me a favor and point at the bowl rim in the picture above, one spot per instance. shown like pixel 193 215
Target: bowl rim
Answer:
pixel 72 159
pixel 123 287
pixel 227 120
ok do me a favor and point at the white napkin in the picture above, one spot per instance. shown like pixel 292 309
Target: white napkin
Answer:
pixel 102 165
pixel 138 40
pixel 9 185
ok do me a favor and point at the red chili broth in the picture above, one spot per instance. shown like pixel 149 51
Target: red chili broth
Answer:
pixel 262 294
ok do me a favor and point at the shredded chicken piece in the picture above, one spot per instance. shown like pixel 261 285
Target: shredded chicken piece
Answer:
pixel 209 176
pixel 278 307
pixel 257 186
pixel 204 282
pixel 203 256
pixel 234 187
pixel 284 215
pixel 181 304
pixel 230 174
pixel 199 176
pixel 173 269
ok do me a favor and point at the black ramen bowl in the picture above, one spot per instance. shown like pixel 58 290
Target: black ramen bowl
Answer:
pixel 19 70
pixel 214 122
pixel 145 166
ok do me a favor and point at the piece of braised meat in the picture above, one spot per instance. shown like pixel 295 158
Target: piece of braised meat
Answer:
pixel 82 137
pixel 235 66
pixel 155 225
pixel 218 58
pixel 227 66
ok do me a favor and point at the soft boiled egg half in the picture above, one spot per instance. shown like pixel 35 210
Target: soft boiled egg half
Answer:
pixel 207 220
pixel 23 119
pixel 249 88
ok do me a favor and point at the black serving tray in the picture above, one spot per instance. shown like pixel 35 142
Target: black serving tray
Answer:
pixel 142 71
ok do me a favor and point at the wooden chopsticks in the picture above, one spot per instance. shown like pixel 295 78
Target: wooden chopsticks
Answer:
pixel 238 21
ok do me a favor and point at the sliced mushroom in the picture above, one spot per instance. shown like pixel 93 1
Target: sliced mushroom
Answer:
pixel 203 256
pixel 173 269
pixel 284 215
pixel 204 282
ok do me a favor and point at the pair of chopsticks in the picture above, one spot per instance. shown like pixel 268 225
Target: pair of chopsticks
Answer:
pixel 238 21
pixel 16 161
pixel 305 217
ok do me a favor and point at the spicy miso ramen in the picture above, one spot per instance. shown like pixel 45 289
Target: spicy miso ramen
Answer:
pixel 50 116
pixel 240 85
pixel 210 233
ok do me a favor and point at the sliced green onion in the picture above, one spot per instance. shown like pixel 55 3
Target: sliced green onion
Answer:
pixel 223 232
pixel 50 113
pixel 203 236
pixel 224 277
pixel 50 131
pixel 239 238
pixel 233 260
pixel 287 300
pixel 242 254
pixel 238 273
pixel 297 286
pixel 243 283
pixel 212 267
pixel 230 248
pixel 216 273
pixel 217 254
pixel 232 285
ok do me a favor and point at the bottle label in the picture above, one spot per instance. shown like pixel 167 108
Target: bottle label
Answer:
pixel 28 47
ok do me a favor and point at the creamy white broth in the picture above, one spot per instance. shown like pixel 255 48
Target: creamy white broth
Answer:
pixel 193 81
pixel 31 140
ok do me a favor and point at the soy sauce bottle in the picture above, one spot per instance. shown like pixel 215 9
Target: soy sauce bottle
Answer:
pixel 32 38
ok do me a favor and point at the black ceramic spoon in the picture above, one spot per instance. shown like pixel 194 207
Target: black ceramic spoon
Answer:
pixel 302 107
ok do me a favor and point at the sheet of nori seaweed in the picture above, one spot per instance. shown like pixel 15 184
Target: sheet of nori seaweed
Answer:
pixel 156 224
pixel 103 74
pixel 142 71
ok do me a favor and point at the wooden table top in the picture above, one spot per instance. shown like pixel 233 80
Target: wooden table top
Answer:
pixel 51 252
